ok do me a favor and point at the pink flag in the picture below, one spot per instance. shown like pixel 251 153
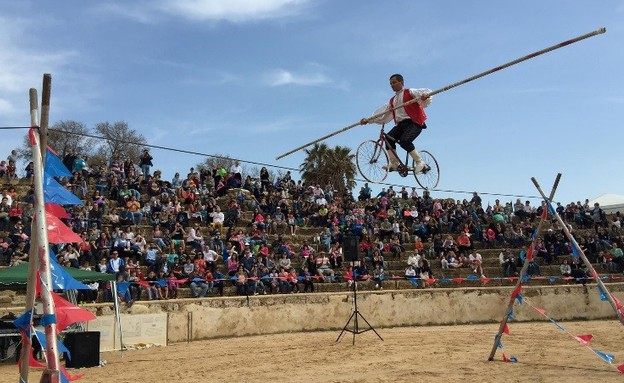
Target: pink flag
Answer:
pixel 505 358
pixel 584 339
pixel 57 210
pixel 540 310
pixel 67 313
pixel 58 232
pixel 516 291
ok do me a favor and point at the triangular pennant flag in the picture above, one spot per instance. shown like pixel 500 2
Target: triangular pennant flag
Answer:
pixel 510 315
pixel 525 278
pixel 430 281
pixel 58 232
pixel 584 339
pixel 67 313
pixel 604 356
pixel 23 321
pixel 57 210
pixel 517 291
pixel 444 280
pixel 512 359
pixel 505 358
pixel 506 329
pixel 519 298
pixel 69 377
pixel 61 279
pixel 553 279
pixel 32 362
pixel 43 342
pixel 534 235
pixel 551 209
pixel 557 324
pixel 603 296
pixel 575 253
pixel 540 310
pixel 472 277
pixel 529 256
pixel 54 166
pixel 621 368
pixel 544 214
pixel 458 280
pixel 618 304
pixel 55 193
pixel 414 281
pixel 485 280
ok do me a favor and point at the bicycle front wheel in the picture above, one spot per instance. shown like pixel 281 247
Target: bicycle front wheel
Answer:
pixel 372 161
pixel 428 179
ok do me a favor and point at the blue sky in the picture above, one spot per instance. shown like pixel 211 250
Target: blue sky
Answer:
pixel 256 78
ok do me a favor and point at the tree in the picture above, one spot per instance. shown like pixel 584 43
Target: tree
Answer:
pixel 62 136
pixel 324 165
pixel 120 140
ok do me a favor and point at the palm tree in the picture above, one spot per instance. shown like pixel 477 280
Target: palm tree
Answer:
pixel 324 165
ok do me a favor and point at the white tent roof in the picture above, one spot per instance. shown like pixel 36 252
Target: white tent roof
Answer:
pixel 610 202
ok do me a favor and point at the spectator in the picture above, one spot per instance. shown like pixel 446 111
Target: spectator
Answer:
pixel 146 163
pixel 476 262
pixel 507 262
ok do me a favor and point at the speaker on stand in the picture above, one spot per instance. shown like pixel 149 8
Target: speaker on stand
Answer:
pixel 351 248
pixel 84 349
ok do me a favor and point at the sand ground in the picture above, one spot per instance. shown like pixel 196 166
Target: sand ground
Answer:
pixel 437 353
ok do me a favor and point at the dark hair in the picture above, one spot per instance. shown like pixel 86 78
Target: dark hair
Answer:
pixel 398 77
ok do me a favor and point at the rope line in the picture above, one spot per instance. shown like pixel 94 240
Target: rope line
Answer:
pixel 196 153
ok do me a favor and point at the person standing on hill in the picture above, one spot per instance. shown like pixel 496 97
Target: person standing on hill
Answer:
pixel 409 120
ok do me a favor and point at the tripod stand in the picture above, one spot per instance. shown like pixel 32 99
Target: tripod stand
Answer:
pixel 354 317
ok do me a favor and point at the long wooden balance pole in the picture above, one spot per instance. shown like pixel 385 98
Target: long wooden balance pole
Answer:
pixel 523 271
pixel 458 83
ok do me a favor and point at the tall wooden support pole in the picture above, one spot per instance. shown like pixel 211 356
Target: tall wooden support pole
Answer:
pixel 581 254
pixel 512 299
pixel 33 257
pixel 45 114
pixel 51 373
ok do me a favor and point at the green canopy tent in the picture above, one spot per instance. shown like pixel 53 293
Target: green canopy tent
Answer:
pixel 18 275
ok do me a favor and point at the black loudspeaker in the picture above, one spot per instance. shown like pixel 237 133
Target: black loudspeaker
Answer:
pixel 351 248
pixel 84 348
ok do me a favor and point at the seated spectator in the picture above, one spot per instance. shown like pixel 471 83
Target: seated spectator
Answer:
pixel 475 262
pixel 565 269
pixel 378 276
pixel 507 262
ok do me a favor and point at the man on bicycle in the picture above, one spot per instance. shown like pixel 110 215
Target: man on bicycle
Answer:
pixel 409 120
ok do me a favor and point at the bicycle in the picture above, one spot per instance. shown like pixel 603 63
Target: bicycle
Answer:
pixel 372 162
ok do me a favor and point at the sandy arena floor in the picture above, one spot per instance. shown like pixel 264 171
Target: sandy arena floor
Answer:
pixel 444 354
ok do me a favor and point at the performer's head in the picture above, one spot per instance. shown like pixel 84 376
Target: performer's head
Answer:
pixel 396 82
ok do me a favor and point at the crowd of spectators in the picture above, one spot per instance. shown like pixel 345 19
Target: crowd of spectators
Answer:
pixel 159 234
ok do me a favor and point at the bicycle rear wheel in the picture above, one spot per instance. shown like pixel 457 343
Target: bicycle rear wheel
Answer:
pixel 372 161
pixel 430 178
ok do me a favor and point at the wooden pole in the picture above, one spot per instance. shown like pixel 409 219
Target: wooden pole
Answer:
pixel 458 83
pixel 33 257
pixel 512 299
pixel 581 253
pixel 45 114
pixel 52 371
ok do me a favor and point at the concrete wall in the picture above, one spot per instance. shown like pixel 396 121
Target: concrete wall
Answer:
pixel 277 314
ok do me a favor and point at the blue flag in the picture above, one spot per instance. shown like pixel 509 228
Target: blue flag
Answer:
pixel 557 324
pixel 603 296
pixel 472 277
pixel 551 210
pixel 414 281
pixel 61 280
pixel 55 193
pixel 575 252
pixel 606 357
pixel 510 315
pixel 54 166
pixel 519 298
pixel 23 321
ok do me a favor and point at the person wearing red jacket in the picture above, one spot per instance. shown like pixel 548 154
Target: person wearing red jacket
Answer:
pixel 409 120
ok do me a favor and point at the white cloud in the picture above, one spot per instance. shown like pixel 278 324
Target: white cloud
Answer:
pixel 235 11
pixel 22 67
pixel 311 74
